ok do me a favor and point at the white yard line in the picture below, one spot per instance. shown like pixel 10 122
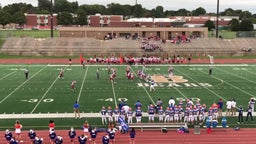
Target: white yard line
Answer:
pixel 149 96
pixel 81 88
pixel 114 94
pixel 8 75
pixel 203 87
pixel 44 94
pixel 22 84
pixel 232 85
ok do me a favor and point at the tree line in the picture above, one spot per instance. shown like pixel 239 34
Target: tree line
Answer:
pixel 71 13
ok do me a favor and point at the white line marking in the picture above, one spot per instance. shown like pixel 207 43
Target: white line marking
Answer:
pixel 8 75
pixel 203 87
pixel 81 88
pixel 22 84
pixel 114 94
pixel 144 88
pixel 45 94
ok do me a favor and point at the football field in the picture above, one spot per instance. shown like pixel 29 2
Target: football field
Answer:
pixel 45 92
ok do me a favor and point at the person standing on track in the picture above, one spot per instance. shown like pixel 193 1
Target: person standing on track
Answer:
pixel 18 127
pixel 76 107
pixel 72 135
pixel 132 136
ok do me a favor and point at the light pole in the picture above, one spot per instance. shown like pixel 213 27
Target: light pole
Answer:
pixel 217 20
pixel 51 19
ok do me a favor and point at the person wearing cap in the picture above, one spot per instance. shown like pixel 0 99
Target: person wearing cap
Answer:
pixel 32 135
pixel 240 115
pixel 8 135
pixel 72 135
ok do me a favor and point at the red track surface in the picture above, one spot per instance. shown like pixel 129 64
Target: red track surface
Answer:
pixel 218 136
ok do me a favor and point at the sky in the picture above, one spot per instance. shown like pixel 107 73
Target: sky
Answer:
pixel 208 5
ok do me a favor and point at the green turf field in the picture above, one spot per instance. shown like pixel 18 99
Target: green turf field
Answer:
pixel 44 92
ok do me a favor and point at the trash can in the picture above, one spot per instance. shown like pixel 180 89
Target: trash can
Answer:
pixel 196 129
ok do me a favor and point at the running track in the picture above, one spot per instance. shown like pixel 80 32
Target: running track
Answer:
pixel 217 136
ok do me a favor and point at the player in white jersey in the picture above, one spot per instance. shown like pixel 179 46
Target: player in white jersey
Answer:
pixel 152 86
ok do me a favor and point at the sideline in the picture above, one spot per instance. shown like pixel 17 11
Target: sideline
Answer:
pixel 70 115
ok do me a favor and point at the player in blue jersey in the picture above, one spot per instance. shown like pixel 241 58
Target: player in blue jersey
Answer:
pixel 103 115
pixel 130 115
pixel 138 114
pixel 110 114
pixel 116 114
pixel 32 135
pixel 82 139
pixel 161 114
pixel 72 135
pixel 151 113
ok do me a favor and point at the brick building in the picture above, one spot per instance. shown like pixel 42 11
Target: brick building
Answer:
pixel 41 21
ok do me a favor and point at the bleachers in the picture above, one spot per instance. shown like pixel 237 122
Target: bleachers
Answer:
pixel 91 46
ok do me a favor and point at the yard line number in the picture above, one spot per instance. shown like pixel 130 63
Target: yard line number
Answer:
pixel 48 100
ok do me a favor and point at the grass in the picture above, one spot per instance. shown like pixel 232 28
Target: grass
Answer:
pixel 44 92
pixel 28 33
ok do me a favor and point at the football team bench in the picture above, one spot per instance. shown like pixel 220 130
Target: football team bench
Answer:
pixel 151 126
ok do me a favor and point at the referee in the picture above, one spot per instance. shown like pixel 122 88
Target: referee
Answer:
pixel 26 73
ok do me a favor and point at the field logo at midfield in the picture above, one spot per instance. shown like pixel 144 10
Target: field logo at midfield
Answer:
pixel 166 79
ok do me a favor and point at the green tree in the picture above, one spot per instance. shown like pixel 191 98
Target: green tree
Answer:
pixel 245 15
pixel 5 18
pixel 81 18
pixel 19 18
pixel 182 12
pixel 199 11
pixel 44 5
pixel 64 5
pixel 209 24
pixel 234 25
pixel 246 25
pixel 65 18
pixel 138 11
pixel 159 12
